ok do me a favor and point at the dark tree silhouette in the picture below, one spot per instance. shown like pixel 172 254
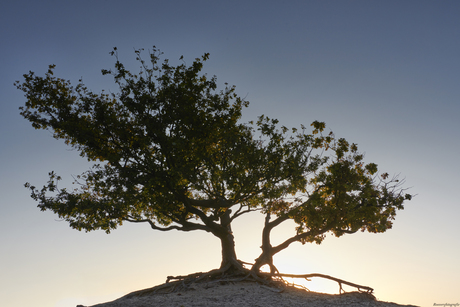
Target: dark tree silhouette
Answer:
pixel 169 150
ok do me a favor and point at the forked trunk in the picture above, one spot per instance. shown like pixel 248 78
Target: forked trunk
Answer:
pixel 266 257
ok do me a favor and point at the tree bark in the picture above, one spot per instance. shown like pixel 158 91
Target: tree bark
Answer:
pixel 228 250
pixel 266 257
pixel 227 241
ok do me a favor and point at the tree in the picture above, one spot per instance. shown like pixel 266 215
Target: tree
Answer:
pixel 169 150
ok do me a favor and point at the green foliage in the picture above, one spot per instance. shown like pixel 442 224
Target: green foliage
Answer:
pixel 169 150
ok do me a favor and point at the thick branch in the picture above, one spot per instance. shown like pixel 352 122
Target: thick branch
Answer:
pixel 276 222
pixel 298 238
pixel 210 203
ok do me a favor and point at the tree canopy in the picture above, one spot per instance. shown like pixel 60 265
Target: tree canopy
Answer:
pixel 169 149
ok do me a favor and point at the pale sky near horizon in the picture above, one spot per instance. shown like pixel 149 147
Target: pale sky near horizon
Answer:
pixel 383 74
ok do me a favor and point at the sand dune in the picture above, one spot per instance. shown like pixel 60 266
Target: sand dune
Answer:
pixel 243 293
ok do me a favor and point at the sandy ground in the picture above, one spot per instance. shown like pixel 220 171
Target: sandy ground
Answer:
pixel 242 294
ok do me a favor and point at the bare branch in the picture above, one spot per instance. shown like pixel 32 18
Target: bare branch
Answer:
pixel 240 212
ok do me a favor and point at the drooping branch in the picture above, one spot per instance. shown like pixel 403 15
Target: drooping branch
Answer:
pixel 187 226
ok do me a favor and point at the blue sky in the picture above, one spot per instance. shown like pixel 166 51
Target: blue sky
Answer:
pixel 383 74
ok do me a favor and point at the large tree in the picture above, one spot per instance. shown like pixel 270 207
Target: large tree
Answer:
pixel 169 149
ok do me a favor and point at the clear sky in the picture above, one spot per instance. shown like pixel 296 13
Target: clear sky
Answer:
pixel 383 74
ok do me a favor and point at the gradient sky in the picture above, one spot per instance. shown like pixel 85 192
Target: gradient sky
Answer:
pixel 383 74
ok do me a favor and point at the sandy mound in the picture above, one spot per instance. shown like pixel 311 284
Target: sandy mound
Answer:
pixel 243 293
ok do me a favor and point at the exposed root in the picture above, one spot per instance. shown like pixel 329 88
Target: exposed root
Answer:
pixel 232 273
pixel 227 274
pixel 339 281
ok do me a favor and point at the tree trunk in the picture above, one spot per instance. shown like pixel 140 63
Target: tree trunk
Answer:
pixel 228 242
pixel 228 250
pixel 266 257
